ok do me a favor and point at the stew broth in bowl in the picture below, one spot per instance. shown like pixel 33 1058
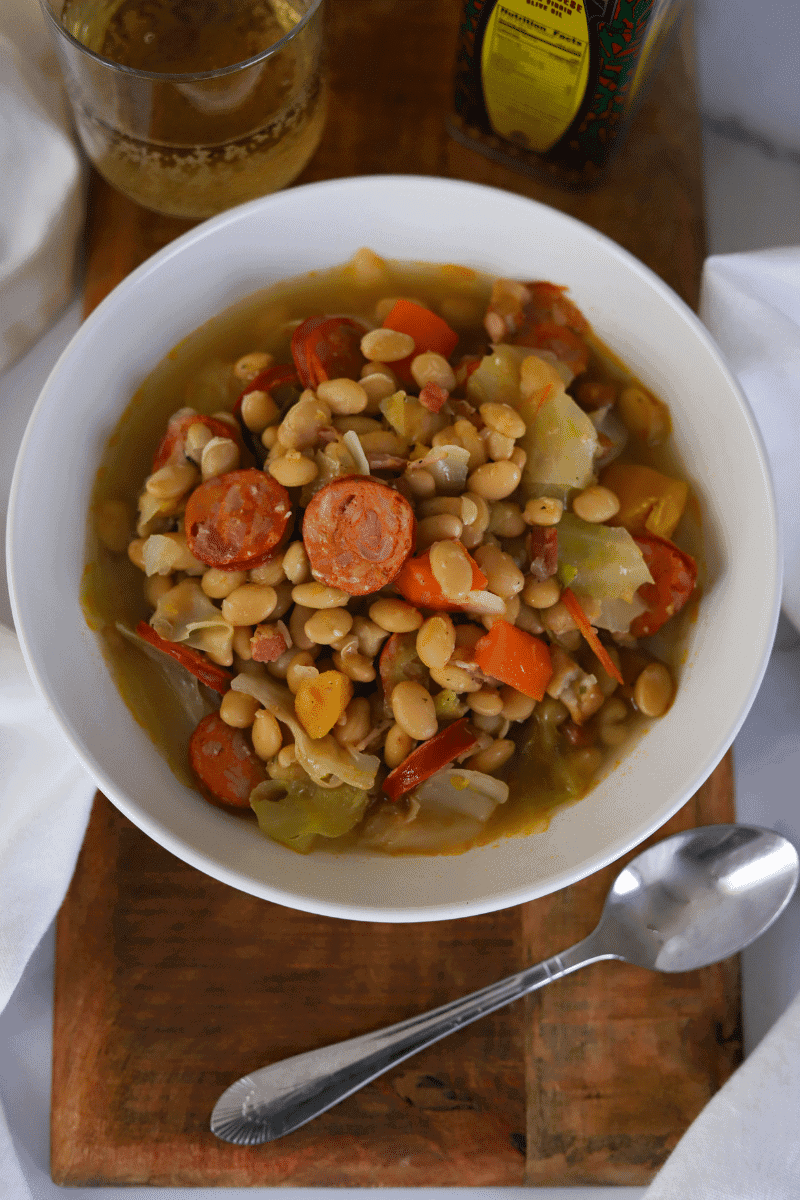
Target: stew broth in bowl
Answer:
pixel 394 556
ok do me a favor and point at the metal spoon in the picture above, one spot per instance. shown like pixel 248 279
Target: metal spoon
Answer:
pixel 686 902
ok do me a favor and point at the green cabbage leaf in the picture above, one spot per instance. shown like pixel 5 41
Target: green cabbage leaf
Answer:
pixel 560 442
pixel 601 561
pixel 296 812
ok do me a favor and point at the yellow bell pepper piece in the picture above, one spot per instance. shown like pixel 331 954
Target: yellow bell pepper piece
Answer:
pixel 644 415
pixel 649 501
pixel 320 702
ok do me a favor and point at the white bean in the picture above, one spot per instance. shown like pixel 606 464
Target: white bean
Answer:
pixel 413 710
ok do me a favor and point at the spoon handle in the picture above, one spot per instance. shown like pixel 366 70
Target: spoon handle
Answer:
pixel 280 1098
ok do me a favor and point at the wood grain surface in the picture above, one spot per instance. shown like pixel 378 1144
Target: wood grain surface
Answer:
pixel 170 985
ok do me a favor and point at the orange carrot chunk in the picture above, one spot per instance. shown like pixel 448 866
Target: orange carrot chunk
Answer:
pixel 516 658
pixel 428 331
pixel 417 583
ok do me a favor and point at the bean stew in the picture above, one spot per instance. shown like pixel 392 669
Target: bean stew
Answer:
pixel 383 557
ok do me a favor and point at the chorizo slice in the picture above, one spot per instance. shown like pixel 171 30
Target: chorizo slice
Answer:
pixel 235 521
pixel 674 578
pixel 358 532
pixel 268 380
pixel 172 442
pixel 224 762
pixel 327 348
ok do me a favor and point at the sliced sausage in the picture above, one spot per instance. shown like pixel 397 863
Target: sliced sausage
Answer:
pixel 234 522
pixel 358 533
pixel 224 762
pixel 328 348
pixel 175 436
pixel 674 576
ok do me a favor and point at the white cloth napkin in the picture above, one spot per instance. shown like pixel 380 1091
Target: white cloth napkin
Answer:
pixel 45 794
pixel 745 1145
pixel 44 806
pixel 751 305
pixel 41 182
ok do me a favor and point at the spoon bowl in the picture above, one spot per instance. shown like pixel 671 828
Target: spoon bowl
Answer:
pixel 698 897
pixel 687 902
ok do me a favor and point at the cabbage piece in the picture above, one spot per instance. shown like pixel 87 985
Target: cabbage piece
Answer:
pixel 295 812
pixel 496 380
pixel 536 374
pixel 542 772
pixel 601 561
pixel 616 615
pixel 353 443
pixel 411 419
pixel 449 466
pixel 414 830
pixel 448 706
pixel 560 442
pixel 323 759
pixel 500 377
pixel 445 812
pixel 162 552
pixel 182 683
pixel 333 461
pixel 185 614
pixel 155 514
pixel 473 793
pixel 561 368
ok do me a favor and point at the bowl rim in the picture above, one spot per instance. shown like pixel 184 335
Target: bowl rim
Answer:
pixel 230 875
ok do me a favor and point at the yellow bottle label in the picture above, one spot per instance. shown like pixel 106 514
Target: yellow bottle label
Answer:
pixel 535 64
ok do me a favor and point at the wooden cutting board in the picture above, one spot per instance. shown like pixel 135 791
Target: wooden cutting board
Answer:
pixel 170 985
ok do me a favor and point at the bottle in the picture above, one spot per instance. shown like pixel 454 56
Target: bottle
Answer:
pixel 549 86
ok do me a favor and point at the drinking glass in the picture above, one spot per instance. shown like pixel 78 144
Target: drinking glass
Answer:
pixel 174 124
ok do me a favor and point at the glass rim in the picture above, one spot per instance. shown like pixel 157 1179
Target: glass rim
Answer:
pixel 183 76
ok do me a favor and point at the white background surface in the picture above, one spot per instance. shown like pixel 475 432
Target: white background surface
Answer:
pixel 748 62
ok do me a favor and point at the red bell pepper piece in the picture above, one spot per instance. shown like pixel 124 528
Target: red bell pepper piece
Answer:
pixel 429 757
pixel 194 661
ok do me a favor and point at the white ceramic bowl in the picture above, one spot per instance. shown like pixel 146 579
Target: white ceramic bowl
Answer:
pixel 435 220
